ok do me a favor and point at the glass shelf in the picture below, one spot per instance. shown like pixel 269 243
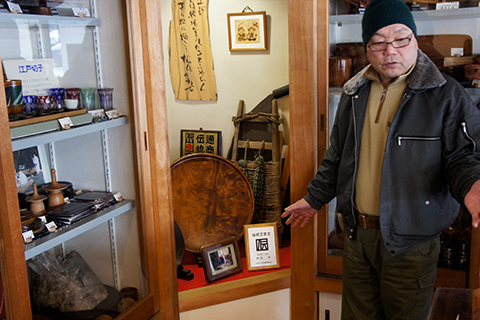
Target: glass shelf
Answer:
pixel 461 13
pixel 68 232
pixel 9 18
pixel 31 141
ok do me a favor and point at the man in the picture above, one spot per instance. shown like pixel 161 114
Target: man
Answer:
pixel 36 164
pixel 404 152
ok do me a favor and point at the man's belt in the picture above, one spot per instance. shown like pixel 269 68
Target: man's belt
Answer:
pixel 368 221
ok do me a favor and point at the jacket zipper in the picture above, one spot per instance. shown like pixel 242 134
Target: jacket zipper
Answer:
pixel 352 200
pixel 465 130
pixel 401 138
pixel 380 106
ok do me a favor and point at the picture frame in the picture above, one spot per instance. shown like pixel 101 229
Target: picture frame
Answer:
pixel 247 31
pixel 261 246
pixel 221 259
pixel 200 141
pixel 31 166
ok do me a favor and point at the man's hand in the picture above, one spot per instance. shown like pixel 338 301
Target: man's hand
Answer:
pixel 300 212
pixel 472 202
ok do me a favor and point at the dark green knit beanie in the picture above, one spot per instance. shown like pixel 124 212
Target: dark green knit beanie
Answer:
pixel 382 13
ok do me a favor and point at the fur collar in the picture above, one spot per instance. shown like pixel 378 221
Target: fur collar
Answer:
pixel 425 75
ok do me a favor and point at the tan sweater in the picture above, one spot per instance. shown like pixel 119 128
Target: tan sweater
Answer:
pixel 382 105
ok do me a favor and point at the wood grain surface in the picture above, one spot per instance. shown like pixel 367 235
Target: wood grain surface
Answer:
pixel 212 199
pixel 55 116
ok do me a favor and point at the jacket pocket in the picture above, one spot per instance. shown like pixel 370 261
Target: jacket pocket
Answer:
pixel 402 139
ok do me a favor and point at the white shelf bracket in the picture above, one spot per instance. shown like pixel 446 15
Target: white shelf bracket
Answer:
pixel 98 64
pixel 51 151
pixel 113 247
pixel 106 162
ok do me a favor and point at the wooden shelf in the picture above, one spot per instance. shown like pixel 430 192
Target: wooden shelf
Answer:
pixel 234 290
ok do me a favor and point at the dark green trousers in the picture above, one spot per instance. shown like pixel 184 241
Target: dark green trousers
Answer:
pixel 377 286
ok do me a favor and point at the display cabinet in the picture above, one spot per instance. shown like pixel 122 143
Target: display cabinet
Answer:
pixel 316 266
pixel 130 244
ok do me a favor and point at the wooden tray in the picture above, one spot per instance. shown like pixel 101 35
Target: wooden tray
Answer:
pixel 19 123
pixel 212 199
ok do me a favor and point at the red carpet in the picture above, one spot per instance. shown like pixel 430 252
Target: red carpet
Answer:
pixel 190 263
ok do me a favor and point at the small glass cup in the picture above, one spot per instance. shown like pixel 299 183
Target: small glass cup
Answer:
pixel 73 93
pixel 29 104
pixel 59 94
pixel 46 102
pixel 105 96
pixel 88 98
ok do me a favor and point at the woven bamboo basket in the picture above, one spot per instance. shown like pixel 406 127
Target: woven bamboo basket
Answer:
pixel 271 208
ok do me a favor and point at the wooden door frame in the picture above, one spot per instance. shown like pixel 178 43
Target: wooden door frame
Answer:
pixel 153 153
pixel 308 61
pixel 13 266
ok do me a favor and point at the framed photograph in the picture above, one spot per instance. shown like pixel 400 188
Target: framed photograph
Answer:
pixel 247 31
pixel 200 141
pixel 221 259
pixel 261 246
pixel 31 165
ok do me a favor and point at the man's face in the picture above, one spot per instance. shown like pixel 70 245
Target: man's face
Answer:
pixel 393 62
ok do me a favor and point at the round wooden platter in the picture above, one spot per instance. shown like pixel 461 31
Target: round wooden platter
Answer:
pixel 212 199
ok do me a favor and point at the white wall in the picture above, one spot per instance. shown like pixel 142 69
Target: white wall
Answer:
pixel 248 76
pixel 269 306
pixel 331 303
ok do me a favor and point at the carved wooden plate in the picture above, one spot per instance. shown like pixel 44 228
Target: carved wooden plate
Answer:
pixel 212 199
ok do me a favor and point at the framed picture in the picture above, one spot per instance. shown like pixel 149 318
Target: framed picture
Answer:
pixel 31 165
pixel 221 259
pixel 247 31
pixel 200 141
pixel 261 246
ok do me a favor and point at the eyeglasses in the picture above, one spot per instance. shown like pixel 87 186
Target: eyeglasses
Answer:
pixel 382 46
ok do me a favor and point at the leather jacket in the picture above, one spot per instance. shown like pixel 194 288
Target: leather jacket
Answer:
pixel 432 157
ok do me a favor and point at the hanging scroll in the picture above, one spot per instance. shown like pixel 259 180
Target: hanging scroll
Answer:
pixel 191 61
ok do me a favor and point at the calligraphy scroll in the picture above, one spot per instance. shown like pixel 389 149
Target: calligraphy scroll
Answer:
pixel 191 61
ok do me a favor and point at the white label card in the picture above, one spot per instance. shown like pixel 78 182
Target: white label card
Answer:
pixel 97 113
pixel 113 114
pixel 51 226
pixel 447 5
pixel 14 7
pixel 81 12
pixel 28 236
pixel 456 51
pixel 65 123
pixel 118 196
pixel 37 75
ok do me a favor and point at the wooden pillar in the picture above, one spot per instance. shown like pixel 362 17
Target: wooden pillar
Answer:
pixel 152 151
pixel 309 52
pixel 13 265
